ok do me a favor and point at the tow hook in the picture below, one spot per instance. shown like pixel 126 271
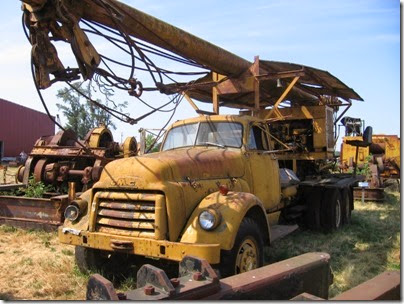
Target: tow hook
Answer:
pixel 121 245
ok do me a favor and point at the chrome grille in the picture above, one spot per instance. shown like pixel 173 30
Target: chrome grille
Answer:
pixel 132 214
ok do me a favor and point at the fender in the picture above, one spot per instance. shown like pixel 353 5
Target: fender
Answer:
pixel 233 207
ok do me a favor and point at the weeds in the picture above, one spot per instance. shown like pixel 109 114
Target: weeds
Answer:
pixel 67 252
pixel 7 229
pixel 36 189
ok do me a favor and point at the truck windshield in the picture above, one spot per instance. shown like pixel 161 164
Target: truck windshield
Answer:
pixel 218 134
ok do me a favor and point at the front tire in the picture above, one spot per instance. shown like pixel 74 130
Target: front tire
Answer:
pixel 88 259
pixel 247 253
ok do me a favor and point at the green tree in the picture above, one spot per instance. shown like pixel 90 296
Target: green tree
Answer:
pixel 149 142
pixel 82 115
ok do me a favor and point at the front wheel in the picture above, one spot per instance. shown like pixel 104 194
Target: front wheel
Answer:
pixel 88 259
pixel 247 253
pixel 114 266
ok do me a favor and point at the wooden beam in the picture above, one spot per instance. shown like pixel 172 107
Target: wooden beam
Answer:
pixel 215 95
pixel 282 97
pixel 236 86
pixel 192 103
pixel 255 70
pixel 35 2
pixel 281 75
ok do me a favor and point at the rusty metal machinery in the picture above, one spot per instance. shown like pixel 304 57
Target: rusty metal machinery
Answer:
pixel 383 153
pixel 70 166
pixel 304 277
pixel 235 82
pixel 60 159
pixel 384 287
pixel 381 158
pixel 198 281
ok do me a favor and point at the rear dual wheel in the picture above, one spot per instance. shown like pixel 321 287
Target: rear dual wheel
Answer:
pixel 312 216
pixel 331 210
pixel 327 208
pixel 347 204
pixel 336 208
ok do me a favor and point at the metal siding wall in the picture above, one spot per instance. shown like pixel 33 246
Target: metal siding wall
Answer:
pixel 20 127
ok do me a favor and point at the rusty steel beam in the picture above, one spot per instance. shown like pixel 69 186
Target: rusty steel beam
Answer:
pixel 369 194
pixel 280 281
pixel 157 32
pixel 198 281
pixel 306 297
pixel 166 36
pixel 385 286
pixel 24 212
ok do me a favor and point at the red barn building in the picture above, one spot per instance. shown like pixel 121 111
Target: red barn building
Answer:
pixel 20 127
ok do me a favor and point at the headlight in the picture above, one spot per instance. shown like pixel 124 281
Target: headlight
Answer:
pixel 209 219
pixel 75 209
pixel 72 212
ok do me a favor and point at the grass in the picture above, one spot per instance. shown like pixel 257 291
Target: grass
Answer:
pixel 35 266
pixel 367 247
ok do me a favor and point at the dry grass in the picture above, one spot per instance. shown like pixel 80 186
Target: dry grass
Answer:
pixel 34 266
pixel 360 251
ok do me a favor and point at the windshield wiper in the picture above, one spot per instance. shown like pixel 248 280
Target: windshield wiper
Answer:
pixel 208 143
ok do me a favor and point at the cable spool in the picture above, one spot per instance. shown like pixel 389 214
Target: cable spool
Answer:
pixel 129 147
pixel 99 137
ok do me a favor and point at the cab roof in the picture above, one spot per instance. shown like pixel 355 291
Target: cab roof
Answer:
pixel 243 119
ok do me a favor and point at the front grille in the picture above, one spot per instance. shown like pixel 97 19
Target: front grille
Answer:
pixel 132 214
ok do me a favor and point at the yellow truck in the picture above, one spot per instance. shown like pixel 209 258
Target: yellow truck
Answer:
pixel 213 191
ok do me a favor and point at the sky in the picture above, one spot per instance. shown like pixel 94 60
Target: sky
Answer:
pixel 356 41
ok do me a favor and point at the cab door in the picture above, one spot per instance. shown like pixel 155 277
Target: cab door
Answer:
pixel 264 166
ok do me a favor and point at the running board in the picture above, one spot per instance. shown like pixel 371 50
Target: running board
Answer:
pixel 280 231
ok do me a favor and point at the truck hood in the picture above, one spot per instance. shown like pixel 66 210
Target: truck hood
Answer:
pixel 178 165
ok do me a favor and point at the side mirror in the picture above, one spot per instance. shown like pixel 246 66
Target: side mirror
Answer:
pixel 366 139
pixel 367 135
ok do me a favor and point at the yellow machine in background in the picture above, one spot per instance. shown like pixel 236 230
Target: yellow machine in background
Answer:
pixel 385 148
pixel 380 160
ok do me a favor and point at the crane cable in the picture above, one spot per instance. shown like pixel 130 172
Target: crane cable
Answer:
pixel 111 111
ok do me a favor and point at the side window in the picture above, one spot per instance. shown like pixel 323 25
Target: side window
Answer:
pixel 257 139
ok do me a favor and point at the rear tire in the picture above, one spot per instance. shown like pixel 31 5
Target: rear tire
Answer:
pixel 247 253
pixel 346 206
pixel 331 210
pixel 312 216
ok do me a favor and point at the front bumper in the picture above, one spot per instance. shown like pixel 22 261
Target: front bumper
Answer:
pixel 139 246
